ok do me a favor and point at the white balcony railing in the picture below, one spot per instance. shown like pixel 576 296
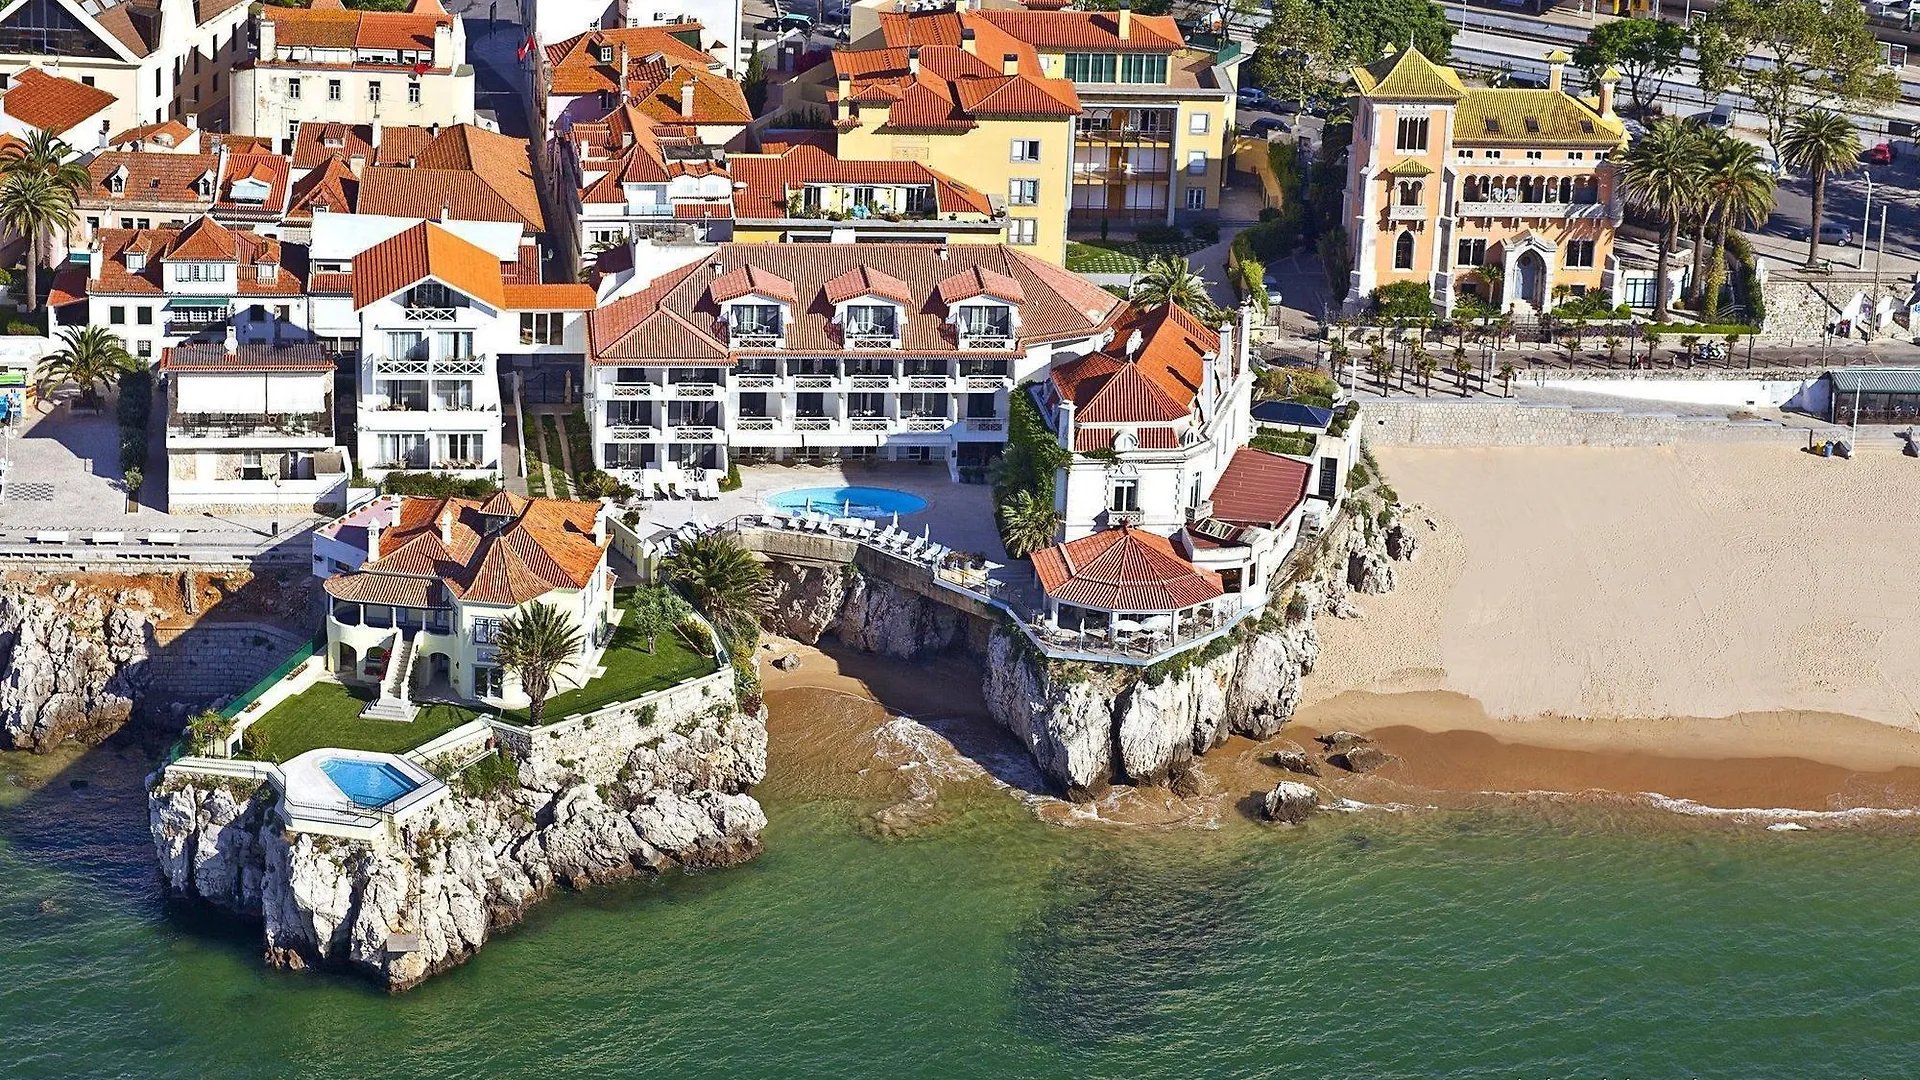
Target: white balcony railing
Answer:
pixel 928 423
pixel 870 423
pixel 634 390
pixel 632 433
pixel 1569 211
pixel 986 424
pixel 872 341
pixel 693 391
pixel 694 434
pixel 987 382
pixel 871 382
pixel 753 423
pixel 936 383
pixel 755 382
pixel 758 341
pixel 813 382
pixel 813 423
pixel 1117 518
pixel 986 341
pixel 1406 213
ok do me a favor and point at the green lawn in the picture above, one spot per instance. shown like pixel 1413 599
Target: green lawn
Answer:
pixel 328 714
pixel 1120 256
pixel 630 672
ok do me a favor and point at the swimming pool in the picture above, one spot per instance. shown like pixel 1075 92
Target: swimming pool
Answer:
pixel 870 502
pixel 371 784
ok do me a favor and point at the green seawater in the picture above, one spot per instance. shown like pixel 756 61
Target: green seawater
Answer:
pixel 1428 944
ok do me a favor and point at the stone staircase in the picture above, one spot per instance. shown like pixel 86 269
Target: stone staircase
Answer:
pixel 393 702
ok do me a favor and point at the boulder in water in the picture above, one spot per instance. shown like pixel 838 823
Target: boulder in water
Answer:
pixel 786 662
pixel 1295 761
pixel 1361 759
pixel 1290 802
pixel 1340 741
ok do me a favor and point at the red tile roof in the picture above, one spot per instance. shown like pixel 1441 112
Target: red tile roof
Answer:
pixel 1125 570
pixel 1156 383
pixel 1060 31
pixel 151 176
pixel 542 545
pixel 214 357
pixel 324 28
pixel 864 280
pixel 203 239
pixel 750 280
pixel 313 143
pixel 472 174
pixel 560 296
pixel 330 187
pixel 770 179
pixel 52 103
pixel 578 69
pixel 678 318
pixel 979 281
pixel 952 90
pixel 426 251
pixel 1259 488
pixel 206 240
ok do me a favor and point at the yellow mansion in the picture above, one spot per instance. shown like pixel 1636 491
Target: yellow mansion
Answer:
pixel 1445 180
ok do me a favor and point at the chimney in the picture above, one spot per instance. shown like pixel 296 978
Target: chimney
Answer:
pixel 443 46
pixel 219 172
pixel 913 60
pixel 192 121
pixel 713 264
pixel 944 253
pixel 1010 64
pixel 1608 78
pixel 1126 19
pixel 1556 63
pixel 1227 328
pixel 265 32
pixel 1064 411
pixel 967 42
pixel 620 73
pixel 1134 341
pixel 446 524
pixel 356 164
pixel 843 97
pixel 686 99
pixel 373 534
pixel 93 260
pixel 233 340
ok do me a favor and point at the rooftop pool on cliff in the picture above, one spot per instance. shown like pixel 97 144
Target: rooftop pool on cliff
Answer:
pixel 371 784
pixel 870 502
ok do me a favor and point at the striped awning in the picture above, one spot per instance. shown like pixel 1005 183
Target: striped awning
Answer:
pixel 1875 380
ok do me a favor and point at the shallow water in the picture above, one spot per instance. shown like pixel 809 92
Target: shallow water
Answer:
pixel 1508 942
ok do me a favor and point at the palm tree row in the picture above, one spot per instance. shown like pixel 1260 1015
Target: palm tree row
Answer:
pixel 40 186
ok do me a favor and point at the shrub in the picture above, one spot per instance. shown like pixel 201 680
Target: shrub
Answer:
pixel 208 733
pixel 1160 234
pixel 492 775
pixel 598 484
pixel 436 485
pixel 1297 443
pixel 133 478
pixel 1403 300
pixel 1207 232
pixel 1269 213
pixel 21 328
pixel 732 480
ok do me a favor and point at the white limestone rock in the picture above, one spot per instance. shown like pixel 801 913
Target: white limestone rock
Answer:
pixel 72 665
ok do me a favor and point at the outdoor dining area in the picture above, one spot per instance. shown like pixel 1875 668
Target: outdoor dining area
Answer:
pixel 1126 590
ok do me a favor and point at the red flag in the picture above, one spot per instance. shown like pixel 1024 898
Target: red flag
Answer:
pixel 526 47
pixel 422 67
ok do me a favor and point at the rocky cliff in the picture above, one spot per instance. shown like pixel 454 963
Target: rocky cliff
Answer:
pixel 73 663
pixel 865 613
pixel 426 895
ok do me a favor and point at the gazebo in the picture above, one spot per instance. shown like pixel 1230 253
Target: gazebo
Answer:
pixel 1124 581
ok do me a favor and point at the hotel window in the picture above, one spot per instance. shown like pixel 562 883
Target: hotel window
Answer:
pixel 1473 251
pixel 1197 124
pixel 993 320
pixel 373 92
pixel 753 405
pixel 466 447
pixel 1023 192
pixel 1576 155
pixel 1403 252
pixel 1196 198
pixel 870 320
pixel 143 315
pixel 1466 154
pixel 1143 68
pixel 1026 150
pixel 754 320
pixel 1197 163
pixel 293 89
pixel 453 394
pixel 1023 231
pixel 413 91
pixel 407 451
pixel 1123 496
pixel 541 327
pixel 250 466
pixel 406 345
pixel 1494 155
pixel 333 89
pixel 117 315
pixel 1536 155
pixel 489 682
pixel 1412 135
pixel 143 349
pixel 1580 254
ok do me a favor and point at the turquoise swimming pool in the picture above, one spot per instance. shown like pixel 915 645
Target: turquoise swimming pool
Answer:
pixel 869 502
pixel 371 784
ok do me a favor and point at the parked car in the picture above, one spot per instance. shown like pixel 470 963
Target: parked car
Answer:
pixel 1721 117
pixel 1253 96
pixel 1267 126
pixel 1833 233
pixel 1878 155
pixel 794 20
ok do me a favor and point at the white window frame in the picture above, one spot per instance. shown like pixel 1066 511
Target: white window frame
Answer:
pixel 1023 231
pixel 1196 198
pixel 1023 191
pixel 1197 124
pixel 1024 150
pixel 1196 163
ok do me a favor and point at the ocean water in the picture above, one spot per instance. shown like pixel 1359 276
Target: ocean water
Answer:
pixel 1486 944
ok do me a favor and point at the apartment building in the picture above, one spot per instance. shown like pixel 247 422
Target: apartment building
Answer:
pixel 436 321
pixel 1151 142
pixel 76 112
pixel 326 63
pixel 892 352
pixel 661 70
pixel 627 175
pixel 170 188
pixel 160 287
pixel 806 196
pixel 977 109
pixel 250 428
pixel 1503 194
pixel 158 59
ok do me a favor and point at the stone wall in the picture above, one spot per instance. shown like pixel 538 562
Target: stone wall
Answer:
pixel 1503 422
pixel 594 746
pixel 207 662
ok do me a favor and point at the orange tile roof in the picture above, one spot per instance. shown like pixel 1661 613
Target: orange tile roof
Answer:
pixel 51 103
pixel 474 174
pixel 676 318
pixel 426 251
pixel 952 90
pixel 542 545
pixel 323 28
pixel 203 239
pixel 1155 384
pixel 208 356
pixel 578 69
pixel 138 36
pixel 206 239
pixel 750 280
pixel 330 187
pixel 1123 570
pixel 315 142
pixel 269 169
pixel 864 280
pixel 168 134
pixel 151 176
pixel 770 179
pixel 979 281
pixel 559 296
pixel 1259 488
pixel 1058 31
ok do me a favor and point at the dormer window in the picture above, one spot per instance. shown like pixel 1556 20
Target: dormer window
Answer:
pixel 986 321
pixel 872 321
pixel 204 187
pixel 606 54
pixel 268 272
pixel 117 184
pixel 136 261
pixel 753 320
pixel 430 294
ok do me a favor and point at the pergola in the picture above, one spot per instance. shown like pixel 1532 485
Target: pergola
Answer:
pixel 1124 580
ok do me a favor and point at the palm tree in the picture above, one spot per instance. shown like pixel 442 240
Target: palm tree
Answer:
pixel 1506 378
pixel 1612 343
pixel 34 205
pixel 1170 280
pixel 1738 191
pixel 1661 176
pixel 1027 523
pixel 43 154
pixel 1425 365
pixel 724 579
pixel 1822 143
pixel 93 356
pixel 1461 369
pixel 535 641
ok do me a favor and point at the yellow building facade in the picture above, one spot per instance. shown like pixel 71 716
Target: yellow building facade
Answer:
pixel 1502 194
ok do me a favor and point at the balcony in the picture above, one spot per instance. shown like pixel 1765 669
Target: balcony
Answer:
pixel 754 423
pixel 929 383
pixel 757 341
pixel 986 341
pixel 985 383
pixel 871 382
pixel 693 433
pixel 190 327
pixel 870 423
pixel 988 425
pixel 431 314
pixel 872 341
pixel 1117 518
pixel 249 425
pixel 1576 211
pixel 813 423
pixel 756 382
pixel 392 366
pixel 1406 213
pixel 814 382
pixel 693 391
pixel 630 391
pixel 927 423
pixel 632 433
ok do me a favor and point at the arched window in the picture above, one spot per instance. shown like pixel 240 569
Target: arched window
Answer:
pixel 1403 252
pixel 1410 192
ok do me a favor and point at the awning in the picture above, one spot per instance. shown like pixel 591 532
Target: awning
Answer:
pixel 198 302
